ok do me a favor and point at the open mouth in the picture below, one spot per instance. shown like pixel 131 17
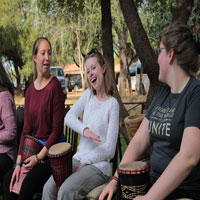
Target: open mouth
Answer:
pixel 94 80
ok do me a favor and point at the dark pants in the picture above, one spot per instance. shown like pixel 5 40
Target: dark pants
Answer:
pixel 5 164
pixel 180 193
pixel 32 184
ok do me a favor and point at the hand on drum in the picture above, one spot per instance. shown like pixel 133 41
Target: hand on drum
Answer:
pixel 89 134
pixel 29 163
pixel 109 190
pixel 15 176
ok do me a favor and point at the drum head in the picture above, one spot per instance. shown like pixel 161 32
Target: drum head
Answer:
pixel 59 148
pixel 134 167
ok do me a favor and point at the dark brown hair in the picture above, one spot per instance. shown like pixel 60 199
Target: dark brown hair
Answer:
pixel 178 36
pixel 5 83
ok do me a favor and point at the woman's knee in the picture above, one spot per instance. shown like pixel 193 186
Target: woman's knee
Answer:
pixel 49 189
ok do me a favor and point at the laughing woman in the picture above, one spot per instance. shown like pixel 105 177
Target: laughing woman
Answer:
pixel 98 134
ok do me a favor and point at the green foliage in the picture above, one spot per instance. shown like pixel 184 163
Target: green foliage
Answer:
pixel 195 17
pixel 70 8
pixel 9 28
pixel 70 23
pixel 155 15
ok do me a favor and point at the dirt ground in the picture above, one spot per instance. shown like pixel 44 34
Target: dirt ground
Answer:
pixel 73 96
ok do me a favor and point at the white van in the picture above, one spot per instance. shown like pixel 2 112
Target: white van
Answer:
pixel 135 75
pixel 59 73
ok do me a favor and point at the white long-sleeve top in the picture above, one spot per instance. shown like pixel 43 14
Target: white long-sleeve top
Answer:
pixel 102 118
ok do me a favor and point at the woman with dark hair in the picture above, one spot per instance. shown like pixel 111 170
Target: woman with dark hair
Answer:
pixel 43 119
pixel 98 131
pixel 172 122
pixel 8 129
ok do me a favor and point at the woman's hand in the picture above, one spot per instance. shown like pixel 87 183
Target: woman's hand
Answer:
pixel 109 190
pixel 29 163
pixel 140 198
pixel 15 176
pixel 78 167
pixel 89 134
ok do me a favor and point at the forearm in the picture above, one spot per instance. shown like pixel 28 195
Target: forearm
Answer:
pixel 102 152
pixel 19 159
pixel 43 153
pixel 9 132
pixel 132 153
pixel 138 145
pixel 172 177
pixel 74 123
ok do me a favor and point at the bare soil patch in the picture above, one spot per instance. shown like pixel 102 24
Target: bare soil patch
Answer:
pixel 72 97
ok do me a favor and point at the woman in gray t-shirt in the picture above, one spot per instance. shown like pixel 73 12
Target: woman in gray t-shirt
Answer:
pixel 172 122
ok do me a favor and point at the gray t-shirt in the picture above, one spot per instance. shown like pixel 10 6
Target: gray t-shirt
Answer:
pixel 168 115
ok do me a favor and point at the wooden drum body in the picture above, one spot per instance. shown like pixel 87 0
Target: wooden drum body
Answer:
pixel 61 161
pixel 31 146
pixel 133 179
pixel 132 124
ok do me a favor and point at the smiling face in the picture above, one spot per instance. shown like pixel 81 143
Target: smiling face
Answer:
pixel 95 73
pixel 43 58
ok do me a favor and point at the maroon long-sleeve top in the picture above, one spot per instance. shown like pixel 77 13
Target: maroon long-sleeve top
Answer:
pixel 44 113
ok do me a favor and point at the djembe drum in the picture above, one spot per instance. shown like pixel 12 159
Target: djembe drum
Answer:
pixel 133 179
pixel 132 124
pixel 31 146
pixel 61 161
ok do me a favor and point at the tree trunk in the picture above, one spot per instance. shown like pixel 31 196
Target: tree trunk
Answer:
pixel 124 81
pixel 124 88
pixel 183 11
pixel 107 43
pixel 80 57
pixel 142 46
pixel 18 78
pixel 107 40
